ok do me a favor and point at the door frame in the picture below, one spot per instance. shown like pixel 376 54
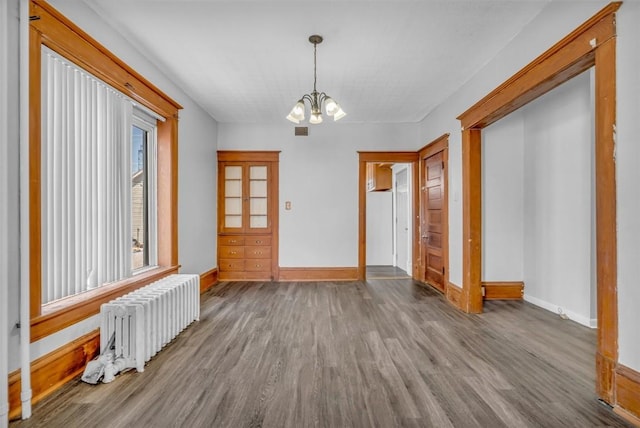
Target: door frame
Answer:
pixel 389 157
pixel 406 168
pixel 593 44
pixel 440 144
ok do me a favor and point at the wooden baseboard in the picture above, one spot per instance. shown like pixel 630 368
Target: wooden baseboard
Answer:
pixel 302 274
pixel 454 295
pixel 53 370
pixel 208 279
pixel 631 418
pixel 627 385
pixel 503 290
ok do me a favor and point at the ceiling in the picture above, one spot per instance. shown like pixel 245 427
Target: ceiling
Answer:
pixel 383 61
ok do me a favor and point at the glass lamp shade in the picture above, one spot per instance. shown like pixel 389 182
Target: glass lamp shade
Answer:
pixel 339 114
pixel 331 106
pixel 315 118
pixel 297 112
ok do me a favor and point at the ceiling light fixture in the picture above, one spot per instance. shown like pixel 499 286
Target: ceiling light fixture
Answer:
pixel 316 99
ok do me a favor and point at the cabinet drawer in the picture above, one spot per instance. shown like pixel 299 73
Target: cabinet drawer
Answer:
pixel 231 240
pixel 229 252
pixel 258 240
pixel 257 265
pixel 257 252
pixel 231 265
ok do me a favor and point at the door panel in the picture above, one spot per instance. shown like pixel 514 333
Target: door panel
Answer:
pixel 432 206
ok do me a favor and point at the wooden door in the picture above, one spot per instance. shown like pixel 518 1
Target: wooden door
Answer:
pixel 432 217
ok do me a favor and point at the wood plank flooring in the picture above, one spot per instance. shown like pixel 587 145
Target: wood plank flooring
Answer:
pixel 381 353
pixel 385 272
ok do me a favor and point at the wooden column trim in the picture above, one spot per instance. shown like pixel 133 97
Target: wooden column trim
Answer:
pixel 35 166
pixel 471 300
pixel 362 220
pixel 606 233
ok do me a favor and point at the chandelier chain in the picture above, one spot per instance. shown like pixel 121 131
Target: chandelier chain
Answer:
pixel 315 47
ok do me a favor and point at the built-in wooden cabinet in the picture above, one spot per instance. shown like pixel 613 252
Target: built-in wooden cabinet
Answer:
pixel 247 215
pixel 379 177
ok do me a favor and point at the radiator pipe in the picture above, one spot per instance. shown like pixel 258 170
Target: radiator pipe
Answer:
pixel 4 279
pixel 25 318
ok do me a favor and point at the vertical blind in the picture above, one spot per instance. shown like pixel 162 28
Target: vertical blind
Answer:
pixel 86 188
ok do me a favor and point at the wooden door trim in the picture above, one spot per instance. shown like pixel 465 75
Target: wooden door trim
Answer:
pixel 590 45
pixel 394 157
pixel 440 144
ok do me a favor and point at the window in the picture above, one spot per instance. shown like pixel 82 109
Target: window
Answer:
pixel 98 187
pixel 143 192
pixel 81 51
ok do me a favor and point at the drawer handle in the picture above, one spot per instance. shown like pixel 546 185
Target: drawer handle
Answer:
pixel 258 266
pixel 258 252
pixel 233 241
pixel 258 242
pixel 232 252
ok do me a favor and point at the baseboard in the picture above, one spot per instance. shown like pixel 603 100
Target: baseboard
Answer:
pixel 503 290
pixel 302 274
pixel 454 295
pixel 51 371
pixel 628 392
pixel 208 279
pixel 580 319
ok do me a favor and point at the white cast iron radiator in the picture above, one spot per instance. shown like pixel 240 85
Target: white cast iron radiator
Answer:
pixel 141 323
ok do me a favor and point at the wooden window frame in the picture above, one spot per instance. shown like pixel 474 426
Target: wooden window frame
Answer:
pixel 50 28
pixel 593 44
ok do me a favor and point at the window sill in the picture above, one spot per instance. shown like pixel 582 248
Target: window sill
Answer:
pixel 62 313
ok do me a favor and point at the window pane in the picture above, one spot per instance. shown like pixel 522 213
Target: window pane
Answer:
pixel 139 205
pixel 258 173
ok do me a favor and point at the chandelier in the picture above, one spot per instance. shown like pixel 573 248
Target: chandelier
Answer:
pixel 316 99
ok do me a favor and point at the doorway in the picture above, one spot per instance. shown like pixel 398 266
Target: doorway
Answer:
pixel 557 65
pixel 387 159
pixel 388 244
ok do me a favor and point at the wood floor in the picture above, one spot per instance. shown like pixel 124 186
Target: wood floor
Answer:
pixel 381 353
pixel 385 272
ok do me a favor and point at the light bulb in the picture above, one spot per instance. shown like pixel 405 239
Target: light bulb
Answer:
pixel 315 118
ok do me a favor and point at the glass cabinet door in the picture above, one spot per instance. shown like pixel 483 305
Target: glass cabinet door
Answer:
pixel 233 197
pixel 246 197
pixel 258 197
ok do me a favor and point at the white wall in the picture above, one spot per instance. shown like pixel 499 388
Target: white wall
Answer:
pixel 559 200
pixel 319 175
pixel 628 181
pixel 196 175
pixel 503 200
pixel 379 228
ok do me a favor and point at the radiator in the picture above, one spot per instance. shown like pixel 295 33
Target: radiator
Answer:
pixel 145 320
